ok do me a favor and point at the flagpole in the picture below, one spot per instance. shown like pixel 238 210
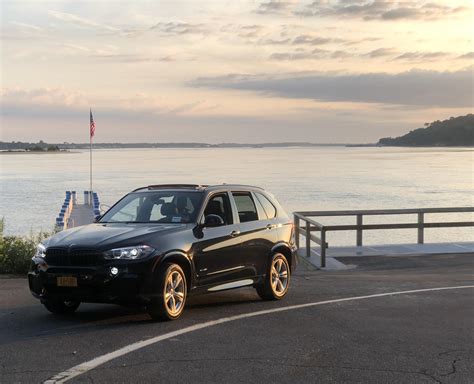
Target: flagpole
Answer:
pixel 90 163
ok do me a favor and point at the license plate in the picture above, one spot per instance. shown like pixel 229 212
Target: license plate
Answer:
pixel 66 281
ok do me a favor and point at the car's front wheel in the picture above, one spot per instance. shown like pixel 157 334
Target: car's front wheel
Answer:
pixel 169 302
pixel 62 307
pixel 277 280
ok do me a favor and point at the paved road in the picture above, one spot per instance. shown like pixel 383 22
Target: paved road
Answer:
pixel 424 337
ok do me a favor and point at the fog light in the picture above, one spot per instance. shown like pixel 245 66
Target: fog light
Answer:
pixel 114 271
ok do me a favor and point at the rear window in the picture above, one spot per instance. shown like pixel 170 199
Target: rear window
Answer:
pixel 267 205
pixel 245 206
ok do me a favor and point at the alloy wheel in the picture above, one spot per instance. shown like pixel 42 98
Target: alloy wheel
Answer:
pixel 279 276
pixel 174 293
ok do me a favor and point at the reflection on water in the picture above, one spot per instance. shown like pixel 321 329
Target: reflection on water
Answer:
pixel 33 185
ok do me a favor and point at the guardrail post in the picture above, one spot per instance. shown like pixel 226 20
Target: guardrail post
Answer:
pixel 296 221
pixel 308 239
pixel 421 228
pixel 323 248
pixel 359 231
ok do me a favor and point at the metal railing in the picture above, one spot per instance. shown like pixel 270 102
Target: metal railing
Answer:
pixel 310 225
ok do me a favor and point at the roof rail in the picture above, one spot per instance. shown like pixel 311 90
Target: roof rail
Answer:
pixel 194 186
pixel 235 185
pixel 168 186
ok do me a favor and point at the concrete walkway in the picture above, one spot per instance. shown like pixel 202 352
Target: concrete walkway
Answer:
pixel 81 215
pixel 332 253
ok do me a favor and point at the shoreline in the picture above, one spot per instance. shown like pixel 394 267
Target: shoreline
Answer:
pixel 37 152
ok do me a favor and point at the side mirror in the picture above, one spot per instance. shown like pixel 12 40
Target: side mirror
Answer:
pixel 97 218
pixel 212 220
pixel 104 207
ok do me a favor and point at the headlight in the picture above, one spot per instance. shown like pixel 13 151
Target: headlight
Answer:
pixel 40 251
pixel 130 253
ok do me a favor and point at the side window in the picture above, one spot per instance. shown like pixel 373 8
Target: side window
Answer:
pixel 245 206
pixel 269 208
pixel 220 205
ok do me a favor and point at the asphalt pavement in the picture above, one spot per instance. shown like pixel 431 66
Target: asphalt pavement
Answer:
pixel 417 337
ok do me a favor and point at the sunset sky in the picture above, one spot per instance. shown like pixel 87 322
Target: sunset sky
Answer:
pixel 323 71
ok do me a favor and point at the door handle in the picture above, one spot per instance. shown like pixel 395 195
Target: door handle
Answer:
pixel 270 226
pixel 234 233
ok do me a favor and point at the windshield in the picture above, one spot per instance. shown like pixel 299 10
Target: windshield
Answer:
pixel 155 207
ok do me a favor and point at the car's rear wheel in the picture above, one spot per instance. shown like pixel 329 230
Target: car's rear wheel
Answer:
pixel 59 306
pixel 277 280
pixel 170 299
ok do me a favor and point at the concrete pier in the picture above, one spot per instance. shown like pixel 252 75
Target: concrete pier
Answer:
pixel 74 214
pixel 81 215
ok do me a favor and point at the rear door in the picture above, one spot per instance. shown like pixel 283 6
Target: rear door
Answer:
pixel 217 256
pixel 258 232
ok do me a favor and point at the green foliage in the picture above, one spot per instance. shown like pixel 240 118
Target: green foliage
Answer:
pixel 16 251
pixel 36 148
pixel 456 131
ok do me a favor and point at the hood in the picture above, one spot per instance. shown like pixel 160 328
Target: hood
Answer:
pixel 105 236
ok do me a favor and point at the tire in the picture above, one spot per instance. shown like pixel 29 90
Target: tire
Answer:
pixel 61 307
pixel 277 279
pixel 171 292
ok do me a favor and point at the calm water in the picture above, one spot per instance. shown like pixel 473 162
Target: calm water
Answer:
pixel 33 185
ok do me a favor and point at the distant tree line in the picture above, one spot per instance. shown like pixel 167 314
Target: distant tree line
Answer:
pixel 455 132
pixel 40 146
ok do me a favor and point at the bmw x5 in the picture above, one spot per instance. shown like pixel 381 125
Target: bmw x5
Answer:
pixel 161 243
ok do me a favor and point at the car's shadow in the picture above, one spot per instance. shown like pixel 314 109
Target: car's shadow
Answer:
pixel 34 321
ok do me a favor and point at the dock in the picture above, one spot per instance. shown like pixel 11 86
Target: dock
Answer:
pixel 74 214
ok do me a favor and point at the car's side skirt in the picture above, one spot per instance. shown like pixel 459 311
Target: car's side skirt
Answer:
pixel 231 285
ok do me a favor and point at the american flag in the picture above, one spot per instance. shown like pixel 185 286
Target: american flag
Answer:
pixel 92 127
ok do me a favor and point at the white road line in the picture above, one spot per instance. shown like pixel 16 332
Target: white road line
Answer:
pixel 94 363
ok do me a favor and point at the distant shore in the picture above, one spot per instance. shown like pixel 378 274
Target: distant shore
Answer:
pixel 19 152
pixel 26 147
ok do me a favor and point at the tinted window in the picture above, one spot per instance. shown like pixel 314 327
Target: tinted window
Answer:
pixel 245 206
pixel 220 205
pixel 269 208
pixel 156 207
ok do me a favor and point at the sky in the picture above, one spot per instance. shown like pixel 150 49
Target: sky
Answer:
pixel 322 71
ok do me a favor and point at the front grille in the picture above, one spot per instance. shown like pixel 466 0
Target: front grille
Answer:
pixel 65 257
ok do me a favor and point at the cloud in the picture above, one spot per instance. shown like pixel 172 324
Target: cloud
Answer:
pixel 274 6
pixel 275 42
pixel 59 102
pixel 246 31
pixel 42 97
pixel 381 52
pixel 290 56
pixel 141 58
pixel 467 56
pixel 81 22
pixel 179 28
pixel 422 55
pixel 380 10
pixel 315 54
pixel 364 40
pixel 313 40
pixel 28 27
pixel 415 88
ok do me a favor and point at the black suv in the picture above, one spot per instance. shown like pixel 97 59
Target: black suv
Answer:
pixel 162 242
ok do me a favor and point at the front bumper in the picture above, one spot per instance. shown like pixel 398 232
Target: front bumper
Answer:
pixel 132 284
